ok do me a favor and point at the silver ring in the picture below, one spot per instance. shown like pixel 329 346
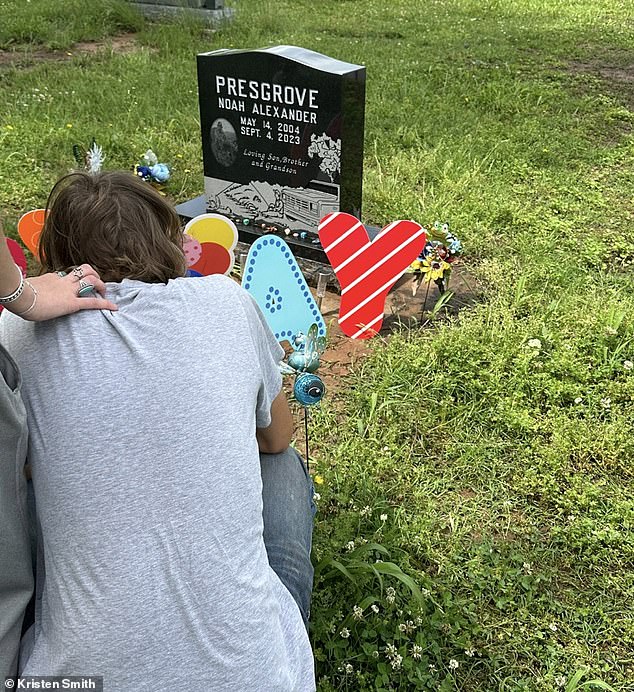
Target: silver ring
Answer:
pixel 62 274
pixel 85 289
pixel 78 272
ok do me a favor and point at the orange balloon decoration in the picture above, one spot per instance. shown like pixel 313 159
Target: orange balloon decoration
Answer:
pixel 30 226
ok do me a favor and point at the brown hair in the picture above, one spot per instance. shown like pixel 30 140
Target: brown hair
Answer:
pixel 115 222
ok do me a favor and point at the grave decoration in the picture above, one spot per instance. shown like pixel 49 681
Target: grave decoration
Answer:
pixel 441 250
pixel 152 171
pixel 367 269
pixel 208 242
pixel 274 279
pixel 30 227
pixel 282 135
pixel 90 159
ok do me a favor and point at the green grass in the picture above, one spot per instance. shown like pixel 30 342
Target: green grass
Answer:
pixel 505 474
pixel 56 25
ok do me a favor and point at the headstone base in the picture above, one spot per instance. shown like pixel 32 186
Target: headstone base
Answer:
pixel 211 17
pixel 311 259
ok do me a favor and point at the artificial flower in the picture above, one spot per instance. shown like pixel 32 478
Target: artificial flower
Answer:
pixel 434 269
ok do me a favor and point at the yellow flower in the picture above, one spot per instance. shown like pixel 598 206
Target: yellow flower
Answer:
pixel 69 125
pixel 434 268
pixel 319 480
pixel 9 127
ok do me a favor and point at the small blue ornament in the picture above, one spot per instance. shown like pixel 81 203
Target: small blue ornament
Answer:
pixel 160 172
pixel 143 172
pixel 456 246
pixel 303 362
pixel 309 389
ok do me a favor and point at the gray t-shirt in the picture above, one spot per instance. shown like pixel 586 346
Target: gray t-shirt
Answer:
pixel 149 495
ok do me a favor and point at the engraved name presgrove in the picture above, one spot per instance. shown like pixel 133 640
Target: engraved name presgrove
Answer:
pixel 233 91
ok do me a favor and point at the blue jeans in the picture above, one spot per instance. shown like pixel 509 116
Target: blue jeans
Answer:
pixel 288 511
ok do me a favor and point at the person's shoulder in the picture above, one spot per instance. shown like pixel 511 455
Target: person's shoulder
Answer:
pixel 218 283
pixel 214 288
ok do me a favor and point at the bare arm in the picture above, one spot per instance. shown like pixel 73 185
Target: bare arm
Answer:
pixel 56 295
pixel 277 437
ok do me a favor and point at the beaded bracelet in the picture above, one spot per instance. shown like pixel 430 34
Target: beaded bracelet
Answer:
pixel 18 291
pixel 32 287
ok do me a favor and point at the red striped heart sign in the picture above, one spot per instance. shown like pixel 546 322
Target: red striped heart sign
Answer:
pixel 367 269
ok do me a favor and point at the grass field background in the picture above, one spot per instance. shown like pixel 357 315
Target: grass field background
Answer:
pixel 490 458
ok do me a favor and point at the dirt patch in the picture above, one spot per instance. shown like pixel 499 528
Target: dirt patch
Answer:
pixel 618 79
pixel 402 311
pixel 114 45
pixel 624 75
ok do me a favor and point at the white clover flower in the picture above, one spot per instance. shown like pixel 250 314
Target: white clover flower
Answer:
pixel 316 497
pixel 357 612
pixel 349 668
pixel 534 343
pixel 560 681
pixel 419 619
pixel 345 633
pixel 470 652
pixel 426 593
pixel 390 595
pixel 396 662
pixel 383 517
pixel 402 627
pixel 606 402
pixel 350 546
pixel 628 365
pixel 453 664
pixel 528 568
pixel 374 608
pixel 432 667
pixel 552 627
pixel 390 650
pixel 366 511
pixel 417 652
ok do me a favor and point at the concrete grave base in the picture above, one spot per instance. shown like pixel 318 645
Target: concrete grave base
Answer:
pixel 159 10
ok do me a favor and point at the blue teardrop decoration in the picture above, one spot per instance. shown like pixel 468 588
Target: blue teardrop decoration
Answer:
pixel 273 277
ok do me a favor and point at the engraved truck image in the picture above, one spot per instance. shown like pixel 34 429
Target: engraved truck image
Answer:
pixel 312 203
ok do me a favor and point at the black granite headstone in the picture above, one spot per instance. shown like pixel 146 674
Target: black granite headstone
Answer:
pixel 282 134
